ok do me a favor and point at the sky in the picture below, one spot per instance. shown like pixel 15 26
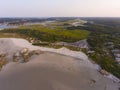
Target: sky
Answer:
pixel 59 8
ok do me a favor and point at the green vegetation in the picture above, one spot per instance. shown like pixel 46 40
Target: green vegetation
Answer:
pixel 58 46
pixel 11 35
pixel 50 35
pixel 99 37
pixel 98 34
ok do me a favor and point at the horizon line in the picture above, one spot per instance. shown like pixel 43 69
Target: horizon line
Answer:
pixel 63 17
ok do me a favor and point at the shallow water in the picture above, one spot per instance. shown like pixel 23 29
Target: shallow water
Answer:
pixel 5 26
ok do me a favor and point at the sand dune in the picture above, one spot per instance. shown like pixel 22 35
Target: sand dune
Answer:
pixel 51 71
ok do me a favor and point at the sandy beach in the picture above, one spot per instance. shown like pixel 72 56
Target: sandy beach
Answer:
pixel 55 69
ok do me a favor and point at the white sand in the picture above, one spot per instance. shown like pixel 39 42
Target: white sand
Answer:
pixel 50 71
pixel 63 51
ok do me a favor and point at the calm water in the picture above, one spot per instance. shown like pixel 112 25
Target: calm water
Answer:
pixel 4 26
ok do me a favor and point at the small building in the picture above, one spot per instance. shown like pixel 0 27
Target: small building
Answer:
pixel 117 55
pixel 117 60
pixel 116 51
pixel 91 52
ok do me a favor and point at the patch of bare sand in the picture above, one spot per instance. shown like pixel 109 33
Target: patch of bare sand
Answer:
pixel 50 71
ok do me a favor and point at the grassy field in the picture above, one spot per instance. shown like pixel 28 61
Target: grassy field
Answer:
pixel 12 35
pixel 48 34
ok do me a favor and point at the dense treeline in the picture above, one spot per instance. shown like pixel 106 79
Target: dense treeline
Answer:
pixel 105 21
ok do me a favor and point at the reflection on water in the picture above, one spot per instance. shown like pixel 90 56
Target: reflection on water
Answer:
pixel 5 26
